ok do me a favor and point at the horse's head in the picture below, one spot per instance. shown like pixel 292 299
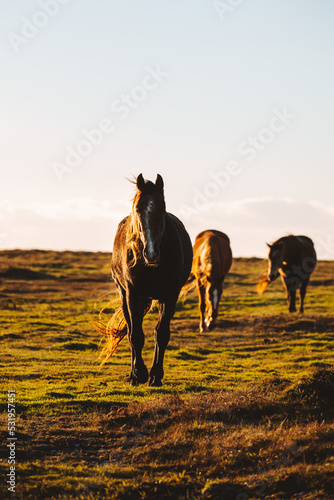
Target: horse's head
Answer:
pixel 275 259
pixel 213 293
pixel 148 215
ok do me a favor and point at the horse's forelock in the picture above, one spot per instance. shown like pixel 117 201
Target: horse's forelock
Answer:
pixel 150 189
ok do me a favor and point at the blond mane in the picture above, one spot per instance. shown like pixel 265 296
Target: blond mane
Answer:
pixel 133 234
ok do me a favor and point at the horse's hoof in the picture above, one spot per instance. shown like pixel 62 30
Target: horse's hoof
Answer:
pixel 137 378
pixel 155 382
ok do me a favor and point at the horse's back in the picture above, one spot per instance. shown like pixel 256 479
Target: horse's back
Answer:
pixel 210 233
pixel 306 243
pixel 299 250
pixel 308 254
pixel 180 245
pixel 212 254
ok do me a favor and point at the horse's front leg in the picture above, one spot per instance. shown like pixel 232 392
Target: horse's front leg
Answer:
pixel 139 373
pixel 302 294
pixel 292 299
pixel 162 336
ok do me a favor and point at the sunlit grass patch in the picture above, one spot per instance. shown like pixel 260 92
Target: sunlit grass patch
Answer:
pixel 243 408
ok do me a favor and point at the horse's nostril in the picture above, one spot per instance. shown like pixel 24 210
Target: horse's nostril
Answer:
pixel 152 257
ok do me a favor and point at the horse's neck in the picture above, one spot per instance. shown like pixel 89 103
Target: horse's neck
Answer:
pixel 133 241
pixel 133 227
pixel 164 234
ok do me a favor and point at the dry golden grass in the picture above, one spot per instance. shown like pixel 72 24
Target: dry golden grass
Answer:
pixel 246 411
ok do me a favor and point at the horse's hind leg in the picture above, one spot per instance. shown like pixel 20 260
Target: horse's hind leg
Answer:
pixel 162 336
pixel 202 305
pixel 136 308
pixel 302 294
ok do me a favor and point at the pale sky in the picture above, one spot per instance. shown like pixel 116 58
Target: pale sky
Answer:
pixel 230 101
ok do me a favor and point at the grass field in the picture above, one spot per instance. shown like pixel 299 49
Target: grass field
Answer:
pixel 246 411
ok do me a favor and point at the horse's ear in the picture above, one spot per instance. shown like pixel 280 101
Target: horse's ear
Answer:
pixel 140 183
pixel 159 182
pixel 268 245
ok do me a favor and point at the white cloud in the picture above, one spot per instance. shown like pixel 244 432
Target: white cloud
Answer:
pixel 84 209
pixel 72 224
pixel 251 222
pixel 84 224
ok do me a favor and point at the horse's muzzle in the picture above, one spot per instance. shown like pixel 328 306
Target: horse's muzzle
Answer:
pixel 152 259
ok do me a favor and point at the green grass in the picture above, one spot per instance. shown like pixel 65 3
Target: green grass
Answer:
pixel 244 409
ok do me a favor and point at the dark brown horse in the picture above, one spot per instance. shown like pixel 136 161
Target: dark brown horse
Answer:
pixel 212 261
pixel 294 258
pixel 151 260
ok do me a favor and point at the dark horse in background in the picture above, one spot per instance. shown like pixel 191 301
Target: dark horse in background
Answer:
pixel 295 259
pixel 151 260
pixel 211 262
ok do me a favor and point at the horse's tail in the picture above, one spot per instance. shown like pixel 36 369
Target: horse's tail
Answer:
pixel 115 331
pixel 262 284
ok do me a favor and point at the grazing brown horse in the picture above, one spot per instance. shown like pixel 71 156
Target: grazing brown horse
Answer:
pixel 151 260
pixel 212 261
pixel 294 258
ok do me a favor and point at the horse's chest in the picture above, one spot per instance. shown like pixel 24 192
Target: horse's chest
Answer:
pixel 154 282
